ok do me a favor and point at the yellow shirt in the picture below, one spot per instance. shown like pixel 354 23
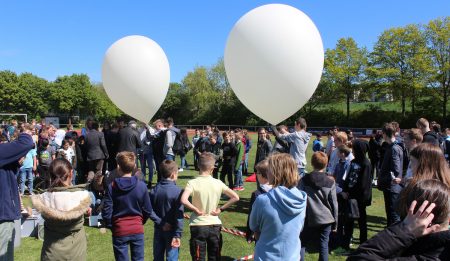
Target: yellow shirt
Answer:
pixel 206 192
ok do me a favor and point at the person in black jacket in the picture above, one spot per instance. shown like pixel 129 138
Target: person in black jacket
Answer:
pixel 216 149
pixel 264 146
pixel 129 139
pixel 96 151
pixel 422 235
pixel 229 159
pixel 391 173
pixel 375 152
pixel 358 185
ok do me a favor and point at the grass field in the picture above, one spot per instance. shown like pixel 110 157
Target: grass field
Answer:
pixel 100 246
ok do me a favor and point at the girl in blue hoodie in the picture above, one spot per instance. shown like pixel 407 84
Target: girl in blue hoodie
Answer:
pixel 278 216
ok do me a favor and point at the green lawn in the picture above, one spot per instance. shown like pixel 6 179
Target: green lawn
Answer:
pixel 100 246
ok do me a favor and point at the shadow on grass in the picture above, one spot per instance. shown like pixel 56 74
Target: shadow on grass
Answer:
pixel 242 206
pixel 227 258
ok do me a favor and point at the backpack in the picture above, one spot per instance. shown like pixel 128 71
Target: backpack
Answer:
pixel 177 147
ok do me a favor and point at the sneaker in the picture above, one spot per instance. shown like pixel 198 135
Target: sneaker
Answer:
pixel 180 170
pixel 236 188
pixel 241 188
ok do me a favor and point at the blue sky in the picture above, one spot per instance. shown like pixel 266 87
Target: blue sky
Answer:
pixel 52 38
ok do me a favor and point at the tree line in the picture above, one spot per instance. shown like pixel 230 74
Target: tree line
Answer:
pixel 409 65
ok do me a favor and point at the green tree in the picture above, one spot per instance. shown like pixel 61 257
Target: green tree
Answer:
pixel 438 38
pixel 344 67
pixel 400 58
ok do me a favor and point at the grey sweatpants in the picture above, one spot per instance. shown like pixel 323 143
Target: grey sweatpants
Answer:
pixel 7 241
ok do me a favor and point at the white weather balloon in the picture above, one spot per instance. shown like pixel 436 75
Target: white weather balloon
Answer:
pixel 136 76
pixel 273 60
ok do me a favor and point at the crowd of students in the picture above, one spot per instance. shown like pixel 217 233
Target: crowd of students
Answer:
pixel 291 212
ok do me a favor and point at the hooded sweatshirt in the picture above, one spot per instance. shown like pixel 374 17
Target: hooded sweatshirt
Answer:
pixel 278 216
pixel 10 153
pixel 127 207
pixel 358 182
pixel 322 207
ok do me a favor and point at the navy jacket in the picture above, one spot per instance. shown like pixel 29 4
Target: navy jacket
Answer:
pixel 392 165
pixel 127 197
pixel 165 198
pixel 10 153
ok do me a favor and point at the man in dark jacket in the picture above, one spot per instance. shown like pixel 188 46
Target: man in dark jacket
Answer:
pixel 10 155
pixel 264 146
pixel 429 136
pixel 391 173
pixel 129 138
pixel 96 151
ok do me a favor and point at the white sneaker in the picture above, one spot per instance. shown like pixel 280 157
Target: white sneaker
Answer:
pixel 180 170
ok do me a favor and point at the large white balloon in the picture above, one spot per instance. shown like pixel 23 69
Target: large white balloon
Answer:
pixel 136 76
pixel 273 60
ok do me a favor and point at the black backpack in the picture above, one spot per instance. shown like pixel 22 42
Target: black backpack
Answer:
pixel 177 147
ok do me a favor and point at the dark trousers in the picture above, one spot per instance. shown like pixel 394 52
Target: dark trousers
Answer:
pixel 216 173
pixel 158 159
pixel 206 240
pixel 227 170
pixel 96 166
pixel 315 239
pixel 390 201
pixel 349 225
pixel 136 243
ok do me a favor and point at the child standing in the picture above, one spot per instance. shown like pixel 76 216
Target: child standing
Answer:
pixel 205 225
pixel 215 148
pixel 63 208
pixel 358 185
pixel 26 171
pixel 322 207
pixel 240 148
pixel 45 154
pixel 165 198
pixel 229 159
pixel 262 170
pixel 126 209
pixel 66 151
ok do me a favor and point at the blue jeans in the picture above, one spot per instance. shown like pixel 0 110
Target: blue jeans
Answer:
pixel 170 157
pixel 238 177
pixel 120 246
pixel 315 238
pixel 26 174
pixel 184 164
pixel 147 162
pixel 390 201
pixel 246 162
pixel 162 241
pixel 74 178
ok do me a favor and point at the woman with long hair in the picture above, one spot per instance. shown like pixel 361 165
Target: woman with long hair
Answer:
pixel 278 216
pixel 427 162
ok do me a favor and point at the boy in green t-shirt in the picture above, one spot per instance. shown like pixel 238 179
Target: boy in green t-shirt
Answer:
pixel 204 223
